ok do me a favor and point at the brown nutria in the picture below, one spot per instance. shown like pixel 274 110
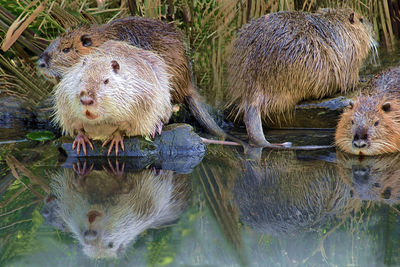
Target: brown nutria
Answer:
pixel 372 178
pixel 116 90
pixel 107 212
pixel 285 57
pixel 283 195
pixel 160 37
pixel 371 123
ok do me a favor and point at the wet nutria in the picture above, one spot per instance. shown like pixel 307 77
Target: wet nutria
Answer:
pixel 116 90
pixel 371 124
pixel 160 37
pixel 285 57
pixel 106 211
pixel 372 178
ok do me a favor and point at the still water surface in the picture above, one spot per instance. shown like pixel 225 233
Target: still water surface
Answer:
pixel 283 209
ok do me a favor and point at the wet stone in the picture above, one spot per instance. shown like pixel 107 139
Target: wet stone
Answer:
pixel 175 140
pixel 14 113
pixel 322 113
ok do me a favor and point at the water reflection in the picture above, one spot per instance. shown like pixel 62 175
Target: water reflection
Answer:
pixel 107 206
pixel 284 195
pixel 372 178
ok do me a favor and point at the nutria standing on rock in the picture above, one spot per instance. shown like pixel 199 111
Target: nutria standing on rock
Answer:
pixel 154 35
pixel 285 57
pixel 371 124
pixel 116 90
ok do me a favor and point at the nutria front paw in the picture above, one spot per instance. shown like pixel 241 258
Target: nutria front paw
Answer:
pixel 81 140
pixel 116 140
pixel 117 171
pixel 82 170
pixel 157 129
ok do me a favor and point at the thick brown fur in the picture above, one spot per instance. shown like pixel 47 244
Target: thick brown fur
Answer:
pixel 154 35
pixel 375 112
pixel 283 58
pixel 106 212
pixel 129 89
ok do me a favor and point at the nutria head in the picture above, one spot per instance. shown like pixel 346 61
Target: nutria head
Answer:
pixel 370 126
pixel 67 50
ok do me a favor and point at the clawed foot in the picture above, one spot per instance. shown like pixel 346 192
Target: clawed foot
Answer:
pixel 286 144
pixel 82 170
pixel 156 171
pixel 116 140
pixel 157 129
pixel 117 170
pixel 81 140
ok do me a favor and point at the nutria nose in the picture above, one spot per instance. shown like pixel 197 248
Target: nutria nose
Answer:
pixel 44 60
pixel 360 139
pixel 87 102
pixel 90 234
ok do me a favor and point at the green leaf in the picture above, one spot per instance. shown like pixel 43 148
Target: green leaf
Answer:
pixel 41 136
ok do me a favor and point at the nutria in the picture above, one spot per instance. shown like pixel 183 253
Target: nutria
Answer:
pixel 160 37
pixel 284 196
pixel 116 90
pixel 370 125
pixel 107 212
pixel 283 58
pixel 372 178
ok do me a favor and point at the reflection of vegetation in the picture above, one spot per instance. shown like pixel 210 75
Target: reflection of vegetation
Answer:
pixel 210 26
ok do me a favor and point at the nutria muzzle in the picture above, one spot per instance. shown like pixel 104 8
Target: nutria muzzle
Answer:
pixel 360 139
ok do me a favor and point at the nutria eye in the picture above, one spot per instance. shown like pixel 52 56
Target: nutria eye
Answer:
pixel 352 122
pixel 106 81
pixel 110 245
pixel 376 123
pixel 361 20
pixel 86 40
pixel 66 50
pixel 386 107
pixel 351 104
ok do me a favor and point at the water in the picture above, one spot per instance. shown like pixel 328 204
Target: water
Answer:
pixel 285 208
pixel 275 208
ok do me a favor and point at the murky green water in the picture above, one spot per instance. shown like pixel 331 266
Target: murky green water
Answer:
pixel 283 209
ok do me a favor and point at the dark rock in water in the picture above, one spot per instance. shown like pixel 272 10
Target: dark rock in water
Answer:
pixel 14 113
pixel 315 114
pixel 175 140
pixel 43 114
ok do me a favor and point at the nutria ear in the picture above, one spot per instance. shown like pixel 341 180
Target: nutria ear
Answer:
pixel 386 107
pixel 351 104
pixel 86 40
pixel 351 18
pixel 115 66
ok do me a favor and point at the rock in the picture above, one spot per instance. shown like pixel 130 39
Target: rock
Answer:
pixel 14 113
pixel 175 140
pixel 322 113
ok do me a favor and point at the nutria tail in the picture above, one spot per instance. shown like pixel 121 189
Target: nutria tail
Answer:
pixel 201 114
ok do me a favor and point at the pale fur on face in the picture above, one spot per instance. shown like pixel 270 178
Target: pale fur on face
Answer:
pixel 135 96
pixel 154 200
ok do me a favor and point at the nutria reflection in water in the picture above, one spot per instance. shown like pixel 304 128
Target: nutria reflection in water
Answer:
pixel 372 178
pixel 107 209
pixel 282 195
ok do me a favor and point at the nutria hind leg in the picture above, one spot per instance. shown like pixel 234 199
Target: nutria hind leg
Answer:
pixel 252 119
